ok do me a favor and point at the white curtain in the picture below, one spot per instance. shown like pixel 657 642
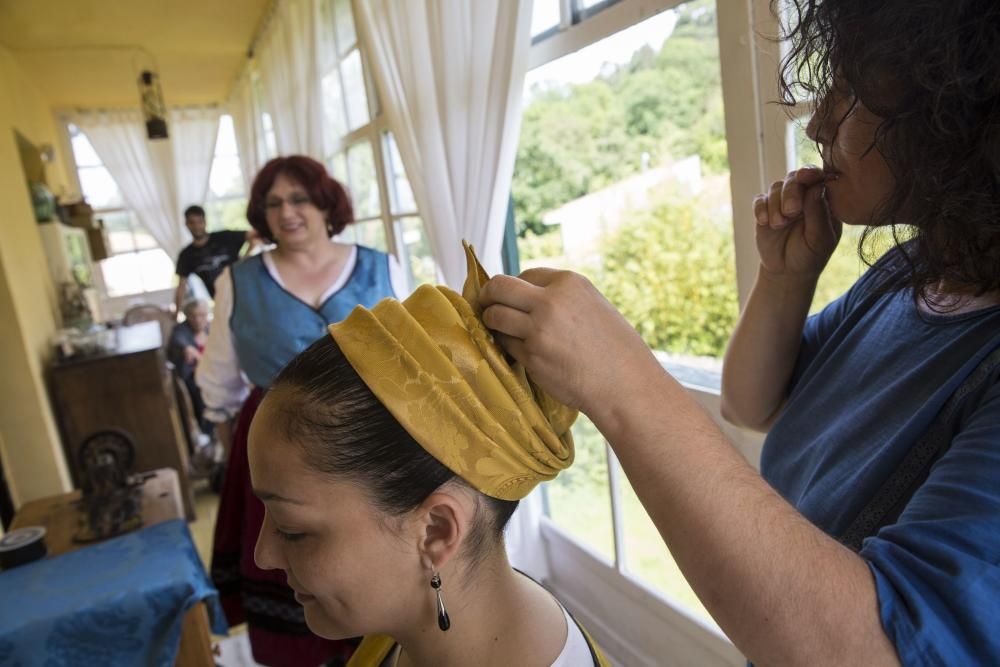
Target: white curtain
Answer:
pixel 143 169
pixel 449 75
pixel 243 109
pixel 193 131
pixel 287 57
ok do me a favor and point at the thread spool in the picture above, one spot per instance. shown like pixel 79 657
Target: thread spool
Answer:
pixel 21 546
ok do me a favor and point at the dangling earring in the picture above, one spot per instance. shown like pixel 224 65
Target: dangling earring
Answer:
pixel 443 621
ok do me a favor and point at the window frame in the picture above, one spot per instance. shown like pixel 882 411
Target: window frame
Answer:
pixel 375 133
pixel 651 624
pixel 63 122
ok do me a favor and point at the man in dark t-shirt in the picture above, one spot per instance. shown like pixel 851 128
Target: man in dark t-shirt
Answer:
pixel 207 255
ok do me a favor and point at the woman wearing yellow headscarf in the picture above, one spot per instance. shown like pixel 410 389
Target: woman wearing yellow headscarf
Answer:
pixel 389 457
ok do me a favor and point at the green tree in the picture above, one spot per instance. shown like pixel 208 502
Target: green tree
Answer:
pixel 576 139
pixel 671 272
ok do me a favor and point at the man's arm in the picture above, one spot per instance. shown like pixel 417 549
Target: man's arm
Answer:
pixel 179 295
pixel 252 240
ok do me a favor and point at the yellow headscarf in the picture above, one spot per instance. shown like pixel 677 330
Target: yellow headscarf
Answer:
pixel 435 366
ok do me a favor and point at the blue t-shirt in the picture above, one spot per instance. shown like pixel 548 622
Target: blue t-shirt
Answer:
pixel 872 374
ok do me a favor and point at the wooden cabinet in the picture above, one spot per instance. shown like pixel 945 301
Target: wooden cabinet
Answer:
pixel 129 389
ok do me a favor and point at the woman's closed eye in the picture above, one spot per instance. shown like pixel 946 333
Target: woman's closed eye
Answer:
pixel 289 536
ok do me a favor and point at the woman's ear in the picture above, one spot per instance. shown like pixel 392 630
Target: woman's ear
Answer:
pixel 444 519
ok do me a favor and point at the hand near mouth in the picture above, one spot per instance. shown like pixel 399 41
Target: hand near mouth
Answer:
pixel 795 232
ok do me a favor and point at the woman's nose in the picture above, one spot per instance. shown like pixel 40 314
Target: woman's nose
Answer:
pixel 813 127
pixel 267 551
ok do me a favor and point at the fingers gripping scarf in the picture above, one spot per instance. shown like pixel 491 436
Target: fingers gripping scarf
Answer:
pixel 435 366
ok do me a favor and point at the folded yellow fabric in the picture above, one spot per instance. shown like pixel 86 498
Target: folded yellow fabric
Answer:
pixel 436 367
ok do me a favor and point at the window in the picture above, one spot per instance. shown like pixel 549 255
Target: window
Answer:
pixel 361 152
pixel 136 263
pixel 551 16
pixel 226 205
pixel 622 174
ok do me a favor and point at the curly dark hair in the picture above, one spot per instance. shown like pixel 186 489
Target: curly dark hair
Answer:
pixel 931 70
pixel 326 193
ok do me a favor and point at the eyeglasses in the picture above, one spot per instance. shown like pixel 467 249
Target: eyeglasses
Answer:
pixel 295 201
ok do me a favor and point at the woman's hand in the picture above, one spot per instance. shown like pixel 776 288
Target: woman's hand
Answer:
pixel 191 355
pixel 571 340
pixel 795 232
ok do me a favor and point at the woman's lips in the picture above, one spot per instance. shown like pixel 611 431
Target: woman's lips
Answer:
pixel 302 598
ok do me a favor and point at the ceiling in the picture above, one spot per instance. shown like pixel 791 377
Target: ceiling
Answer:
pixel 88 53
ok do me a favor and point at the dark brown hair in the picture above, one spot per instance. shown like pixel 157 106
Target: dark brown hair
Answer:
pixel 931 70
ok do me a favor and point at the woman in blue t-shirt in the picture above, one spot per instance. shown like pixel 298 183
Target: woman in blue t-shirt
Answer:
pixel 872 534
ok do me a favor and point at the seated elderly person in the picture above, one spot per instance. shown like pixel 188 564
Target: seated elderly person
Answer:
pixel 184 349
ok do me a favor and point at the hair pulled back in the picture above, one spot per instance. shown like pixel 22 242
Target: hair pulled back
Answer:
pixel 345 432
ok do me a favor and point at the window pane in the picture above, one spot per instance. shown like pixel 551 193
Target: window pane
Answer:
pixel 99 188
pixel 226 142
pixel 370 233
pixel 419 257
pixel 334 123
pixel 400 193
pixel 354 89
pixel 803 150
pixel 579 499
pixel 647 558
pixel 157 270
pixel 227 214
pixel 622 158
pixel 143 239
pixel 345 24
pixel 226 177
pixel 122 274
pixel 119 231
pixel 544 16
pixel 364 188
pixel 588 4
pixel 83 152
pixel 338 168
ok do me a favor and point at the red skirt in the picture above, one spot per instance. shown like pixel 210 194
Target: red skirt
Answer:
pixel 262 599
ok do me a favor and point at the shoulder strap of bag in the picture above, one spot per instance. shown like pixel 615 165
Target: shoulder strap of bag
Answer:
pixel 888 502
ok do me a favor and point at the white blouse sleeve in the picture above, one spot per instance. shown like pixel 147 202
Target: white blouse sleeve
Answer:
pixel 223 386
pixel 397 279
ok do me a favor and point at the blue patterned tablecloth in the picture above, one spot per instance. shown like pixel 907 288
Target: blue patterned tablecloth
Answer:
pixel 119 602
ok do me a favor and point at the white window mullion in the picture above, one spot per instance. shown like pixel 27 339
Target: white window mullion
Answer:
pixel 383 188
pixel 751 122
pixel 617 518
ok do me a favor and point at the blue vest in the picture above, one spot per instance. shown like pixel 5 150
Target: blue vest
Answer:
pixel 270 325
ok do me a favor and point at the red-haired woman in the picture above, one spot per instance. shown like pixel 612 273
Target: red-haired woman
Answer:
pixel 268 308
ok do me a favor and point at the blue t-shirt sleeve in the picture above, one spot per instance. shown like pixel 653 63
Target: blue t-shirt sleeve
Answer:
pixel 937 569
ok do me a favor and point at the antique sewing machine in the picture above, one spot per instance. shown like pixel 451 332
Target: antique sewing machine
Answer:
pixel 112 496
